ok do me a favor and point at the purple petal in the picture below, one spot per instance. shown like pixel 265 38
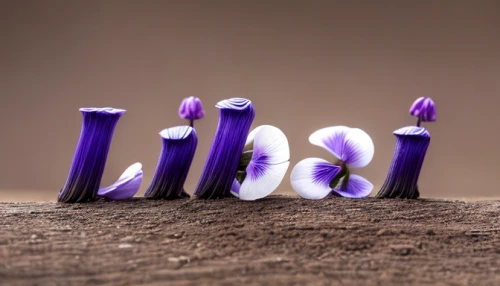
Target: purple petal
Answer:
pixel 424 108
pixel 191 108
pixel 236 116
pixel 351 145
pixel 126 186
pixel 311 178
pixel 177 153
pixel 357 187
pixel 235 188
pixel 91 153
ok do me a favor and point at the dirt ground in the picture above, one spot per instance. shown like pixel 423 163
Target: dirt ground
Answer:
pixel 276 241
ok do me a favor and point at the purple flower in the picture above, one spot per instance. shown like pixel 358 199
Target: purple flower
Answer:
pixel 263 163
pixel 126 186
pixel 179 146
pixel 191 109
pixel 424 109
pixel 315 178
pixel 411 146
pixel 236 116
pixel 91 153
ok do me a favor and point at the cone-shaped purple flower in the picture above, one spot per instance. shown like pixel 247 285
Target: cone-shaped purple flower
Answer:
pixel 411 146
pixel 179 146
pixel 236 116
pixel 91 153
pixel 191 109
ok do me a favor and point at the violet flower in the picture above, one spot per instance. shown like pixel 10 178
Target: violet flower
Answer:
pixel 411 145
pixel 179 146
pixel 236 116
pixel 126 186
pixel 315 178
pixel 263 163
pixel 91 153
pixel 191 109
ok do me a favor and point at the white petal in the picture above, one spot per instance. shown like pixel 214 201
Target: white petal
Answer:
pixel 358 149
pixel 311 178
pixel 258 185
pixel 126 186
pixel 357 187
pixel 331 138
pixel 251 136
pixel 270 145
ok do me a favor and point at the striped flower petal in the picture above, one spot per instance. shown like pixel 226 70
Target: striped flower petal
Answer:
pixel 126 186
pixel 311 178
pixel 356 187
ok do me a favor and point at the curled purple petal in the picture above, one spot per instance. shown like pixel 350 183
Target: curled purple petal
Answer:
pixel 235 188
pixel 179 146
pixel 191 109
pixel 424 108
pixel 311 178
pixel 411 145
pixel 356 187
pixel 91 153
pixel 236 116
pixel 126 186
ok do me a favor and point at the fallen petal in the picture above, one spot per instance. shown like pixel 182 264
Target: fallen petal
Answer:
pixel 311 178
pixel 357 187
pixel 126 186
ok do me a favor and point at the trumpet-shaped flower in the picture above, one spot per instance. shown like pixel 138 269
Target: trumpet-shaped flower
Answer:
pixel 191 109
pixel 409 154
pixel 315 178
pixel 236 116
pixel 126 186
pixel 177 153
pixel 263 163
pixel 91 153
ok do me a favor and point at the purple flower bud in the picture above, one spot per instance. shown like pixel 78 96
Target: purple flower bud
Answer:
pixel 411 146
pixel 236 116
pixel 91 153
pixel 179 146
pixel 424 109
pixel 191 109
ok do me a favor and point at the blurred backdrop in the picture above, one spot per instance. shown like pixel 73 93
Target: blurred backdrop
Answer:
pixel 305 65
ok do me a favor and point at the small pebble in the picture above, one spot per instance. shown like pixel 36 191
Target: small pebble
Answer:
pixel 125 245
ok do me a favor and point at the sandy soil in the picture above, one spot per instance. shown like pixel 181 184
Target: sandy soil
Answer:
pixel 276 241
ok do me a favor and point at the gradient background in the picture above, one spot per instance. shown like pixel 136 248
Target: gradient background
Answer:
pixel 304 64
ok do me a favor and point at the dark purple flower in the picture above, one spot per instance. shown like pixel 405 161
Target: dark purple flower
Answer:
pixel 179 146
pixel 411 146
pixel 127 185
pixel 315 178
pixel 263 163
pixel 191 109
pixel 91 153
pixel 236 116
pixel 424 109
pixel 409 154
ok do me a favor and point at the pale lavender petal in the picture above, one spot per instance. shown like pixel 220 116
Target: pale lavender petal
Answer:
pixel 262 180
pixel 424 108
pixel 236 116
pixel 356 187
pixel 311 178
pixel 358 149
pixel 331 138
pixel 91 153
pixel 126 186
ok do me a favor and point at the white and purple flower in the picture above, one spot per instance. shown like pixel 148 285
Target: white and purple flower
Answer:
pixel 91 153
pixel 315 178
pixel 263 164
pixel 177 153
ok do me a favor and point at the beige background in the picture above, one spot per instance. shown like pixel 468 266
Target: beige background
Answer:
pixel 304 64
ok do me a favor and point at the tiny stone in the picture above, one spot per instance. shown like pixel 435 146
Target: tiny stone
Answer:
pixel 127 238
pixel 125 245
pixel 173 259
pixel 381 232
pixel 34 236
